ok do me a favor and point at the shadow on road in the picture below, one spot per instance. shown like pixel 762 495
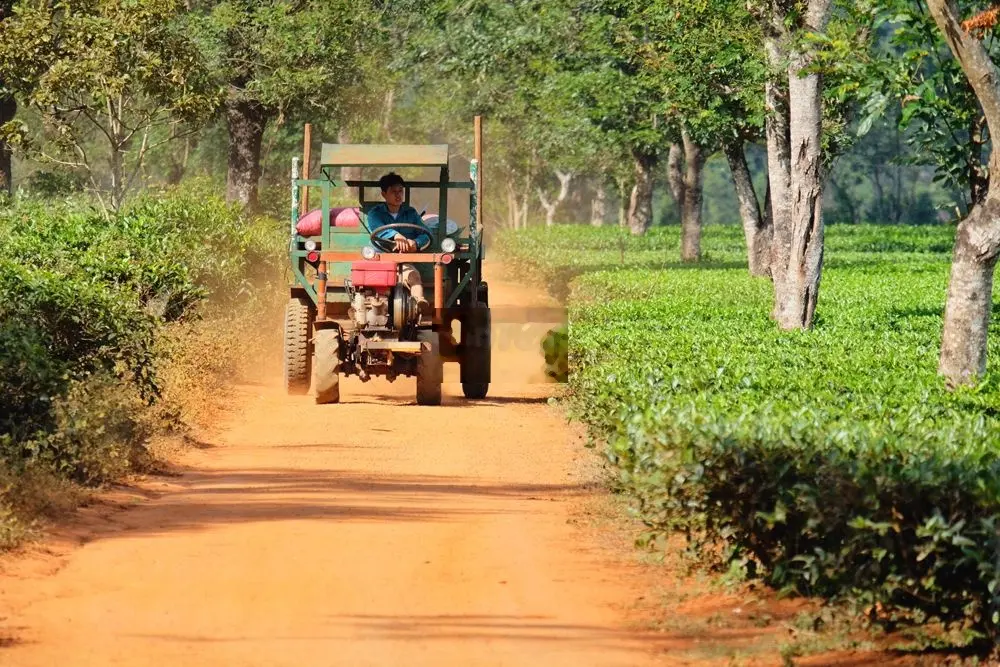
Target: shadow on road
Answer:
pixel 214 498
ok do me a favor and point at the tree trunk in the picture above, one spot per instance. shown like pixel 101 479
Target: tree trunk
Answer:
pixel 694 162
pixel 779 163
pixel 623 202
pixel 390 101
pixel 756 227
pixel 979 181
pixel 116 170
pixel 8 107
pixel 516 206
pixel 525 200
pixel 675 177
pixel 640 210
pixel 347 173
pixel 970 295
pixel 897 205
pixel 180 155
pixel 175 173
pixel 768 208
pixel 118 144
pixel 551 207
pixel 794 166
pixel 599 205
pixel 511 205
pixel 799 289
pixel 246 121
pixel 879 191
pixel 970 289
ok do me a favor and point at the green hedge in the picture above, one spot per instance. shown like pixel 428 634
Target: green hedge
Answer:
pixel 831 462
pixel 85 302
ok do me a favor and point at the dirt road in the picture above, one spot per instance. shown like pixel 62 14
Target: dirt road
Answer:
pixel 374 532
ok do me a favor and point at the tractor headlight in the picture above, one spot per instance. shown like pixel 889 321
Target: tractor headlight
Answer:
pixel 368 252
pixel 310 245
pixel 448 245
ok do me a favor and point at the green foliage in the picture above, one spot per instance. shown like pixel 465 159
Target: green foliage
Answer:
pixel 871 183
pixel 54 183
pixel 288 57
pixel 107 72
pixel 84 306
pixel 708 59
pixel 911 77
pixel 524 66
pixel 97 435
pixel 56 329
pixel 555 347
pixel 832 462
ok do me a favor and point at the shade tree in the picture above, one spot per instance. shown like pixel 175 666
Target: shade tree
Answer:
pixel 110 81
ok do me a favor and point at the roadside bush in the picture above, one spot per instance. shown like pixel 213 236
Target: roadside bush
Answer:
pixel 555 348
pixel 99 433
pixel 56 329
pixel 88 308
pixel 831 462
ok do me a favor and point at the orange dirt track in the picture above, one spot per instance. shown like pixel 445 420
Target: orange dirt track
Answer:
pixel 374 532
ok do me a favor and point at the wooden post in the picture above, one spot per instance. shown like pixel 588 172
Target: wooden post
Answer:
pixel 295 195
pixel 438 293
pixel 306 156
pixel 321 278
pixel 479 173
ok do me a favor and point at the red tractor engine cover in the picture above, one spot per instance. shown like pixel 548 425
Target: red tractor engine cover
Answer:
pixel 373 274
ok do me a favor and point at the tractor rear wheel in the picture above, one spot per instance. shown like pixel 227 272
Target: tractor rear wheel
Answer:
pixel 476 353
pixel 475 390
pixel 430 369
pixel 298 355
pixel 326 366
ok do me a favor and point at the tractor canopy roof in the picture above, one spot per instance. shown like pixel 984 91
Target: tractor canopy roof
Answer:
pixel 384 155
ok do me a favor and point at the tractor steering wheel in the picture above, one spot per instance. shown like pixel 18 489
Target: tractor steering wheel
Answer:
pixel 386 245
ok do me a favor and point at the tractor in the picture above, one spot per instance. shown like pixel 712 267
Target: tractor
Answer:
pixel 348 312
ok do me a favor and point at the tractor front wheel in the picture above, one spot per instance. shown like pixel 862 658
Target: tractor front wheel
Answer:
pixel 326 366
pixel 430 369
pixel 298 355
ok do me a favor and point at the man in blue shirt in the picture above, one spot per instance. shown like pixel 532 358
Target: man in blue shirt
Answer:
pixel 405 239
pixel 394 210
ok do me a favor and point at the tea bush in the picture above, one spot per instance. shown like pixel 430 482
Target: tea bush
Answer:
pixel 85 305
pixel 831 462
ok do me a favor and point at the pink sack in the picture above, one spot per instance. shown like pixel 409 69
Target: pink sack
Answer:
pixel 311 224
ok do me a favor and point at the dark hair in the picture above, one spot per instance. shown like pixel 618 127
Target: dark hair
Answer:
pixel 390 180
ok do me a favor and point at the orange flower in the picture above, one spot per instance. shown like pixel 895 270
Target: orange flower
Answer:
pixel 980 23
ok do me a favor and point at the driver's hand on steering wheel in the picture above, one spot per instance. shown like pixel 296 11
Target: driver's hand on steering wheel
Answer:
pixel 404 244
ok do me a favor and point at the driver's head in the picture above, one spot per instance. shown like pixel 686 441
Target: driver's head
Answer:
pixel 393 190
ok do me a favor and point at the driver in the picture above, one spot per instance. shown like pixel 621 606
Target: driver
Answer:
pixel 405 239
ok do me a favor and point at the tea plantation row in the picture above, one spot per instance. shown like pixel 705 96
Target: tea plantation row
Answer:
pixel 831 462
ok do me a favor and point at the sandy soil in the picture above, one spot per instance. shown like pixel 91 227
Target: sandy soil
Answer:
pixel 375 532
